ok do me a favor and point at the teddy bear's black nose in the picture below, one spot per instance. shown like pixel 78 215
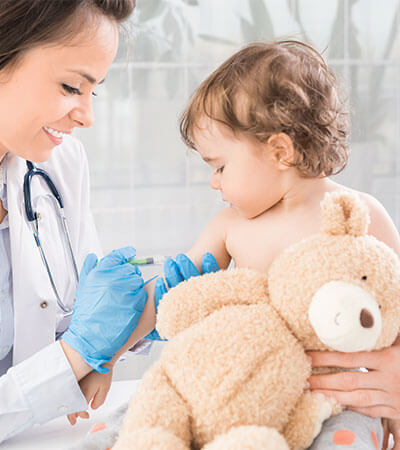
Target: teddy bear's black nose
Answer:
pixel 366 319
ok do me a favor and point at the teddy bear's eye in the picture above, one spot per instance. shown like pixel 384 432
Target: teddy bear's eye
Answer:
pixel 364 278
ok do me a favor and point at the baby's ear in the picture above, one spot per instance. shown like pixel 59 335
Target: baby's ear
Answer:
pixel 282 148
pixel 344 212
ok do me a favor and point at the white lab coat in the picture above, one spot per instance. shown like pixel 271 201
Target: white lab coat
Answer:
pixel 41 385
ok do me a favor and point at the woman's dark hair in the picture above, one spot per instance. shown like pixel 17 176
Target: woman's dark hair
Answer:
pixel 24 24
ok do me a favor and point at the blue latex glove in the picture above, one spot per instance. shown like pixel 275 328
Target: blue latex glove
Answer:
pixel 109 301
pixel 176 271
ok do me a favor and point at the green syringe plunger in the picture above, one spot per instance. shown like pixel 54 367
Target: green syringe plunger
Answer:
pixel 151 260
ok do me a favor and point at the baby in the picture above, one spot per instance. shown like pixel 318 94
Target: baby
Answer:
pixel 271 124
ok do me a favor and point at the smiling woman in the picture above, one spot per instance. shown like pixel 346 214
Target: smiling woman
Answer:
pixel 52 77
pixel 60 75
pixel 52 57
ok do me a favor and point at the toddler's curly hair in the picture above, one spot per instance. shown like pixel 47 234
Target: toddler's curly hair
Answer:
pixel 278 87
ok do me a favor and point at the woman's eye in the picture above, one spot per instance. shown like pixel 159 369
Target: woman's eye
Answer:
pixel 220 169
pixel 71 90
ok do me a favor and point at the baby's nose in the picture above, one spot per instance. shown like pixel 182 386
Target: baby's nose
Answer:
pixel 214 183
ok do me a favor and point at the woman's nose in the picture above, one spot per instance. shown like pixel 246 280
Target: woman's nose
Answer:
pixel 83 115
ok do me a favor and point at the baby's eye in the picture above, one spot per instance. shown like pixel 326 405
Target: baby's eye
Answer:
pixel 220 169
pixel 364 278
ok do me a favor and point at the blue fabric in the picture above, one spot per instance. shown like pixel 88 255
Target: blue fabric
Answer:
pixel 174 273
pixel 109 302
pixel 6 299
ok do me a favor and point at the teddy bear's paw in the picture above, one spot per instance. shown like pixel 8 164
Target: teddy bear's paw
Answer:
pixel 306 420
pixel 324 408
pixel 149 439
pixel 249 438
pixel 336 406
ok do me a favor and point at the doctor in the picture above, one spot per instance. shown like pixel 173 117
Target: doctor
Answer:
pixel 52 56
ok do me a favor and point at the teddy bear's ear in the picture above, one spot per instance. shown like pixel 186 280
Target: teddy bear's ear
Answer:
pixel 344 212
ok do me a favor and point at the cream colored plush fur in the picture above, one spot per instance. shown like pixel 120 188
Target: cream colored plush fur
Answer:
pixel 233 373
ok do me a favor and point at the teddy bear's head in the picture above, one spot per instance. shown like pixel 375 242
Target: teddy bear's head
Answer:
pixel 340 289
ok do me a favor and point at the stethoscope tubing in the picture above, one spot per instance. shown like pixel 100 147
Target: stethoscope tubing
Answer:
pixel 35 171
pixel 32 218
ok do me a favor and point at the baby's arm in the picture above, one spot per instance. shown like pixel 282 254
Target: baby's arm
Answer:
pixel 212 239
pixel 94 387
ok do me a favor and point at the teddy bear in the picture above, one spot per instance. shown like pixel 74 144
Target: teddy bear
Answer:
pixel 233 374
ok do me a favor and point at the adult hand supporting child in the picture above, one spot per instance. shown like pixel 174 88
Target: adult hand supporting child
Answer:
pixel 375 393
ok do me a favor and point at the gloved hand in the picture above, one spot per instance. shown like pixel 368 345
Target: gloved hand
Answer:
pixel 176 271
pixel 109 301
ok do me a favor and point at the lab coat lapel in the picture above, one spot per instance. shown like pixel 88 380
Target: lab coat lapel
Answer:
pixel 34 301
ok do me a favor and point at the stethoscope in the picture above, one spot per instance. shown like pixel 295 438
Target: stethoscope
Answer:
pixel 33 219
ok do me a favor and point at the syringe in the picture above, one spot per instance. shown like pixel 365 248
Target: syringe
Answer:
pixel 151 260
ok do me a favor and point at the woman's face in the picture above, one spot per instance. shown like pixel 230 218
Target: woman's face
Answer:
pixel 49 92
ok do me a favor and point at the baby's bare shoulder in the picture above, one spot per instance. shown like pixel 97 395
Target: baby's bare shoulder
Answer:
pixel 227 217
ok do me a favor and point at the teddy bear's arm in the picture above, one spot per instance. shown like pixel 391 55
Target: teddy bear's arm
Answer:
pixel 156 415
pixel 193 300
pixel 306 420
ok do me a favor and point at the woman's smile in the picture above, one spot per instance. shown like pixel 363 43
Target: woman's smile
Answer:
pixel 56 136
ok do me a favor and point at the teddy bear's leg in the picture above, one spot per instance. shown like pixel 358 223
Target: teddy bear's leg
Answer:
pixel 157 417
pixel 249 438
pixel 307 418
pixel 149 439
